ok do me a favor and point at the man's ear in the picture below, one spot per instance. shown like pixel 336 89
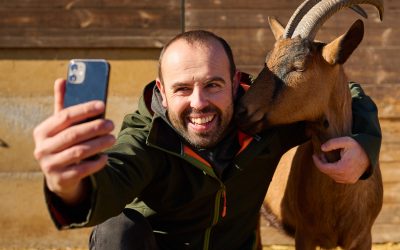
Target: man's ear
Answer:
pixel 160 87
pixel 236 83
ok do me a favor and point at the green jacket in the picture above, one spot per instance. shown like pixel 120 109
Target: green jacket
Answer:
pixel 151 170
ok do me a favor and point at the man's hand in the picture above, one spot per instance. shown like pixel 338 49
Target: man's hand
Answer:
pixel 352 164
pixel 62 145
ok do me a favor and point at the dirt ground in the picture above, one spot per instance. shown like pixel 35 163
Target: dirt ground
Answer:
pixel 388 246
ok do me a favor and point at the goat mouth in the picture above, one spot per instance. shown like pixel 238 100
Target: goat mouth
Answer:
pixel 252 124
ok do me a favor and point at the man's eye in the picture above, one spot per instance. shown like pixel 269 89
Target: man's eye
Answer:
pixel 213 85
pixel 182 90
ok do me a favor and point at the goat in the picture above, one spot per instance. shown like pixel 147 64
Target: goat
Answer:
pixel 309 84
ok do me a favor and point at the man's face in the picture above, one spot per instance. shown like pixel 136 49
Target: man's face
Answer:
pixel 197 91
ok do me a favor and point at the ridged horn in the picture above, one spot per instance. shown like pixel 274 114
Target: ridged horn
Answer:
pixel 297 16
pixel 359 10
pixel 303 9
pixel 316 17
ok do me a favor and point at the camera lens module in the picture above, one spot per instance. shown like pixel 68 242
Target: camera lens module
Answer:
pixel 74 67
pixel 72 78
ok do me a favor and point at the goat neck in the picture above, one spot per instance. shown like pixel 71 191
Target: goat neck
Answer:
pixel 336 120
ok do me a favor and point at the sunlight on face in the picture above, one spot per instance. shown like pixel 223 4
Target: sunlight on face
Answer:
pixel 197 91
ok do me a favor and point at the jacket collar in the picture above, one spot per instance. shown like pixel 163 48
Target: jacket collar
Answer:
pixel 162 135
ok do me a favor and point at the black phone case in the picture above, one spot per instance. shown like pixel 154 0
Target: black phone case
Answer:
pixel 94 85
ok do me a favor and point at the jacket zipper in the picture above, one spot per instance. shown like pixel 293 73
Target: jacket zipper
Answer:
pixel 221 194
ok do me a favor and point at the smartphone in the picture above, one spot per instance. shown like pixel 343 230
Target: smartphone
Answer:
pixel 87 80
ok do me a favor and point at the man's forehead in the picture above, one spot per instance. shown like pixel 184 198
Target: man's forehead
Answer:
pixel 183 52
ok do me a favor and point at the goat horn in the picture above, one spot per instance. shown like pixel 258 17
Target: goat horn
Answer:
pixel 297 16
pixel 359 10
pixel 316 17
pixel 303 9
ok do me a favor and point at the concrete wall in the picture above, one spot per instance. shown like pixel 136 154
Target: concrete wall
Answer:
pixel 26 98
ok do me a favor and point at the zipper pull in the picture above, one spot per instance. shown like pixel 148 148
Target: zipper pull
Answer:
pixel 224 208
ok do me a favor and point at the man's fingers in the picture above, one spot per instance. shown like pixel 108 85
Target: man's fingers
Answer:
pixel 336 170
pixel 67 117
pixel 72 136
pixel 70 177
pixel 59 91
pixel 76 154
pixel 322 164
pixel 84 169
pixel 336 143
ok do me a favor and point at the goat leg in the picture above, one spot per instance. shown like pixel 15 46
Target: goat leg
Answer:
pixel 303 240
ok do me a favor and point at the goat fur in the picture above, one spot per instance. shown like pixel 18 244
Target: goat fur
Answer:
pixel 309 84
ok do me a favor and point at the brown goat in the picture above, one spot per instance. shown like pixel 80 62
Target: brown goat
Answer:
pixel 309 84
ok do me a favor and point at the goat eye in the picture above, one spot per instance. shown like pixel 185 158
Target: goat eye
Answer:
pixel 298 67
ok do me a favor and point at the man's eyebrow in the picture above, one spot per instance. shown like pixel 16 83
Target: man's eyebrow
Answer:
pixel 215 79
pixel 179 84
pixel 208 80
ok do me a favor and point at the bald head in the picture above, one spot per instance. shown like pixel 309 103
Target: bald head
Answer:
pixel 201 39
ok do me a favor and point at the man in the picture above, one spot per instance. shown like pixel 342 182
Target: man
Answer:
pixel 181 172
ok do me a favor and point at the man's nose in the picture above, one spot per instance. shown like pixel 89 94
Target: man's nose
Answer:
pixel 198 99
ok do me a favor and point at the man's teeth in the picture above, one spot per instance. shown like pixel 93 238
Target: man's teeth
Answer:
pixel 201 120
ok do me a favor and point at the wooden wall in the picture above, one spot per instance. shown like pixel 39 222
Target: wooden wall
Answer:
pixel 88 23
pixel 117 24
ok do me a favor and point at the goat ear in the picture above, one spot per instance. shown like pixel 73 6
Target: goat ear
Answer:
pixel 339 50
pixel 276 27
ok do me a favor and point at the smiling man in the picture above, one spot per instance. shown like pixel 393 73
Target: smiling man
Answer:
pixel 181 175
pixel 198 90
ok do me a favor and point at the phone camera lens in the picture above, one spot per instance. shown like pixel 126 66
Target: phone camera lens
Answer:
pixel 74 67
pixel 72 78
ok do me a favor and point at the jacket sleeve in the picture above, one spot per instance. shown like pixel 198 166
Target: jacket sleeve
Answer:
pixel 366 129
pixel 131 167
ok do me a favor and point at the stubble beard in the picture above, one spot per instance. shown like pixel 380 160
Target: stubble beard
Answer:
pixel 206 139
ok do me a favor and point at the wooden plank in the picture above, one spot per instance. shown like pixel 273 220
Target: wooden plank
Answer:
pixel 88 23
pixel 75 33
pixel 85 42
pixel 390 152
pixel 89 18
pixel 390 214
pixel 259 4
pixel 261 40
pixel 139 28
pixel 373 36
pixel 69 4
pixel 390 171
pixel 385 233
pixel 391 193
pixel 390 130
pixel 234 4
pixel 254 18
